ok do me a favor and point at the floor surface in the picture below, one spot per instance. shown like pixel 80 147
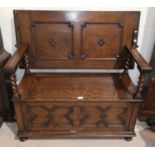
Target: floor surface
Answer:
pixel 144 137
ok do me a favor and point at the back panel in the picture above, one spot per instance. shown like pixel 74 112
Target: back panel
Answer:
pixel 75 40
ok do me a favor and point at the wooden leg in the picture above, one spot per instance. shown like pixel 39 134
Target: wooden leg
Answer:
pixel 23 139
pixel 128 139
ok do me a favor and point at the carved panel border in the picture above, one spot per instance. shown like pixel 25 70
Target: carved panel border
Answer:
pixel 34 24
pixel 101 42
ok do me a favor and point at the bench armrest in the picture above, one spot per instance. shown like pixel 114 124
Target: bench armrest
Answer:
pixel 13 62
pixel 4 56
pixel 143 66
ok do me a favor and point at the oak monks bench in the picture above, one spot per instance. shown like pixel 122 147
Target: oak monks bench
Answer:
pixel 86 104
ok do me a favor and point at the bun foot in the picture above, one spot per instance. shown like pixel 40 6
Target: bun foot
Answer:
pixel 128 139
pixel 23 139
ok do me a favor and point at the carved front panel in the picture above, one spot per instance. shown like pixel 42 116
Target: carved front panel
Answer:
pixel 76 116
pixel 101 40
pixel 52 41
pixel 48 116
pixel 104 116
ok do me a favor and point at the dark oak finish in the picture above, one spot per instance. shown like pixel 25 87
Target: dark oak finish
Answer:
pixel 6 105
pixel 76 105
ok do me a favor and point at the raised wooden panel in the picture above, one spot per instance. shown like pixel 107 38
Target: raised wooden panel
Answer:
pixel 101 41
pixel 104 115
pixel 48 116
pixel 52 41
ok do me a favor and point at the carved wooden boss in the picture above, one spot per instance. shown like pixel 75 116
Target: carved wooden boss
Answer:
pixel 90 105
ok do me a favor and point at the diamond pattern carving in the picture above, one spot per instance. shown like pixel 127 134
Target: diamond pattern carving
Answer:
pixel 45 116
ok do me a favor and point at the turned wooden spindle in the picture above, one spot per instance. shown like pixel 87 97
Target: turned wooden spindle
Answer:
pixel 127 63
pixel 27 66
pixel 14 85
pixel 138 93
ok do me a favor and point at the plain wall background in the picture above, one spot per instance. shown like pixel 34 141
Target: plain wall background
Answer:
pixel 146 36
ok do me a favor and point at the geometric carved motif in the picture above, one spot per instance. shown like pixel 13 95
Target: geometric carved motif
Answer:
pixel 84 115
pixel 99 116
pixel 92 116
pixel 121 116
pixel 103 115
pixel 48 116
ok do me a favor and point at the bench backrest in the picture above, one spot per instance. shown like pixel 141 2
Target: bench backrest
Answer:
pixel 76 39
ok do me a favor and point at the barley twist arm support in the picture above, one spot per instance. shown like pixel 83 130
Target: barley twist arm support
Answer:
pixel 14 85
pixel 12 64
pixel 143 67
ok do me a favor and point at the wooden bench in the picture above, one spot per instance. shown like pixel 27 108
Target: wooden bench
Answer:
pixel 76 105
